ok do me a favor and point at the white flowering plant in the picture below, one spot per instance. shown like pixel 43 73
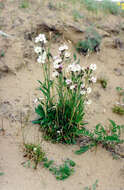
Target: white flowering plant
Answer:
pixel 65 88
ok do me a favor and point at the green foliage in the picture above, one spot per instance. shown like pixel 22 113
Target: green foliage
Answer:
pixel 118 109
pixel 108 138
pixel 110 7
pixel 94 186
pixel 63 171
pixel 104 6
pixel 103 82
pixel 91 42
pixel 76 15
pixel 91 5
pixel 2 53
pixel 24 4
pixel 1 173
pixel 34 153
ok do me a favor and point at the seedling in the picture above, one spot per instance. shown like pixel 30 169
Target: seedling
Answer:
pixel 103 82
pixel 24 4
pixel 94 186
pixel 119 108
pixel 2 53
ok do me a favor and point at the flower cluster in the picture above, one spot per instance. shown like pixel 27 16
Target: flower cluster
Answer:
pixel 40 50
pixel 72 84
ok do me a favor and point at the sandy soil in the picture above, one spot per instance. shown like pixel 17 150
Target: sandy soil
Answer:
pixel 19 73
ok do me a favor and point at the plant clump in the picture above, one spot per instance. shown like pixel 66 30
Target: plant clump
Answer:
pixel 61 113
pixel 35 154
pixel 108 138
pixel 91 43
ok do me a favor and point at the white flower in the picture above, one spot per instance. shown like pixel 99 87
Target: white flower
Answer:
pixel 82 85
pixel 93 67
pixel 37 39
pixel 89 102
pixel 72 87
pixel 58 60
pixel 82 92
pixel 67 54
pixel 93 79
pixel 68 81
pixel 74 67
pixel 35 101
pixel 41 38
pixel 63 47
pixel 55 74
pixel 56 57
pixel 35 149
pixel 37 49
pixel 42 58
pixel 89 90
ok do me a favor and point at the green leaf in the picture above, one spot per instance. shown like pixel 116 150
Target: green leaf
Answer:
pixel 84 149
pixel 36 121
pixel 119 88
pixel 40 111
pixel 1 173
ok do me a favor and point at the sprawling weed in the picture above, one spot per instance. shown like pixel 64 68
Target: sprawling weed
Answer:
pixel 108 138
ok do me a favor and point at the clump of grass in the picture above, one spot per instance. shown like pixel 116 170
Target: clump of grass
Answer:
pixel 110 7
pixel 91 5
pixel 91 43
pixel 76 15
pixel 94 186
pixel 107 138
pixel 118 109
pixel 24 4
pixel 106 6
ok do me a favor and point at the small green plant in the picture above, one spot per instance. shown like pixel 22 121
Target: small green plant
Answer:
pixel 2 53
pixel 1 173
pixel 103 82
pixel 24 4
pixel 94 186
pixel 63 171
pixel 91 43
pixel 91 5
pixel 107 138
pixel 34 153
pixel 119 108
pixel 61 113
pixel 76 15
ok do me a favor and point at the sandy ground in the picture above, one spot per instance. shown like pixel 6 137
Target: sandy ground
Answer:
pixel 19 73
